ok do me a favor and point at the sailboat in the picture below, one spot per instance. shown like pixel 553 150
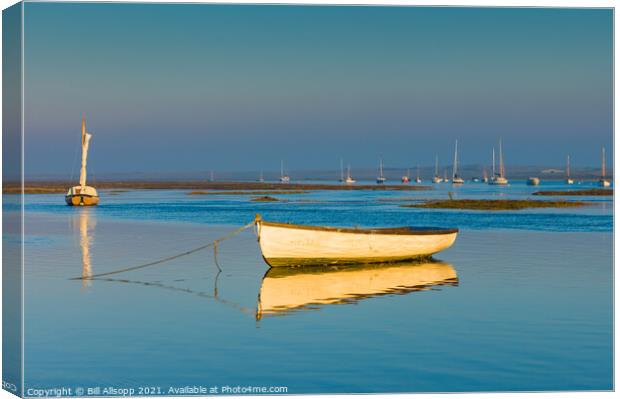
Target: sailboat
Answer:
pixel 406 178
pixel 341 172
pixel 417 178
pixel 603 182
pixel 381 179
pixel 485 176
pixel 456 179
pixel 500 177
pixel 260 177
pixel 445 175
pixel 568 179
pixel 349 179
pixel 436 178
pixel 83 195
pixel 283 177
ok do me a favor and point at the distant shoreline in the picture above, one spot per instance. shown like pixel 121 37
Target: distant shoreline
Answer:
pixel 62 187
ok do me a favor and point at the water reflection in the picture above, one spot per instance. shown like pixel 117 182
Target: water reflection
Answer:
pixel 287 289
pixel 85 223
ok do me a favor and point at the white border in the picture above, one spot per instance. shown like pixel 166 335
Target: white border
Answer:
pixel 480 3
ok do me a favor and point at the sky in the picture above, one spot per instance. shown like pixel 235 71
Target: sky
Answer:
pixel 181 88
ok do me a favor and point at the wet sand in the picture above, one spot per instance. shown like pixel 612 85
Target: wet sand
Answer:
pixel 61 187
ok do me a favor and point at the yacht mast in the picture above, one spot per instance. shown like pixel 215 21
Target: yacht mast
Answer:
pixel 454 165
pixel 85 141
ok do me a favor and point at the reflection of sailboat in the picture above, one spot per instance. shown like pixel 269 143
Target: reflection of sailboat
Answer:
pixel 86 222
pixel 286 289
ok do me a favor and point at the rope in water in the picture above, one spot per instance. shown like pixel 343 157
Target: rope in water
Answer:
pixel 169 258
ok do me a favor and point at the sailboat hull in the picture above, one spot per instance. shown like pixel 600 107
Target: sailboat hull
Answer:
pixel 294 245
pixel 81 200
pixel 82 196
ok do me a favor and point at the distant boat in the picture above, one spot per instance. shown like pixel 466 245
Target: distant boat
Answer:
pixel 568 179
pixel 485 176
pixel 417 178
pixel 436 178
pixel 349 179
pixel 405 179
pixel 533 181
pixel 211 176
pixel 381 179
pixel 284 244
pixel 83 195
pixel 500 177
pixel 341 172
pixel 286 289
pixel 603 182
pixel 456 179
pixel 445 175
pixel 476 180
pixel 284 178
pixel 260 177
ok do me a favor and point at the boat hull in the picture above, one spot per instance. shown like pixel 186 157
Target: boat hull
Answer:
pixel 292 245
pixel 81 200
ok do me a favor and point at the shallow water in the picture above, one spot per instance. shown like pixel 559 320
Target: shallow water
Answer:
pixel 522 301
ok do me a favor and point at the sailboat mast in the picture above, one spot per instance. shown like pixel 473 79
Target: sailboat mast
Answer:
pixel 493 162
pixel 418 173
pixel 341 170
pixel 567 166
pixel 436 165
pixel 381 168
pixel 603 163
pixel 281 168
pixel 85 141
pixel 349 171
pixel 501 159
pixel 454 165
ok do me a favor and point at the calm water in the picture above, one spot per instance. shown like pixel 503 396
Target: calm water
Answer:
pixel 522 301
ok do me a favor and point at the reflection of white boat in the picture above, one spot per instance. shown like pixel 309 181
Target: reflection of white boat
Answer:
pixel 533 181
pixel 284 244
pixel 603 182
pixel 285 289
pixel 83 195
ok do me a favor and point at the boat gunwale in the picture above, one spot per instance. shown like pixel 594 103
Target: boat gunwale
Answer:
pixel 404 231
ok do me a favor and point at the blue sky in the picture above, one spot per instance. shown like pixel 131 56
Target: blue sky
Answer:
pixel 230 87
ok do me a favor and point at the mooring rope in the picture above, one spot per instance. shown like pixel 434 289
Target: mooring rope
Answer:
pixel 169 258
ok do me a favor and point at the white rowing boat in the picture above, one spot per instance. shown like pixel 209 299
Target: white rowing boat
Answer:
pixel 284 244
pixel 285 289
